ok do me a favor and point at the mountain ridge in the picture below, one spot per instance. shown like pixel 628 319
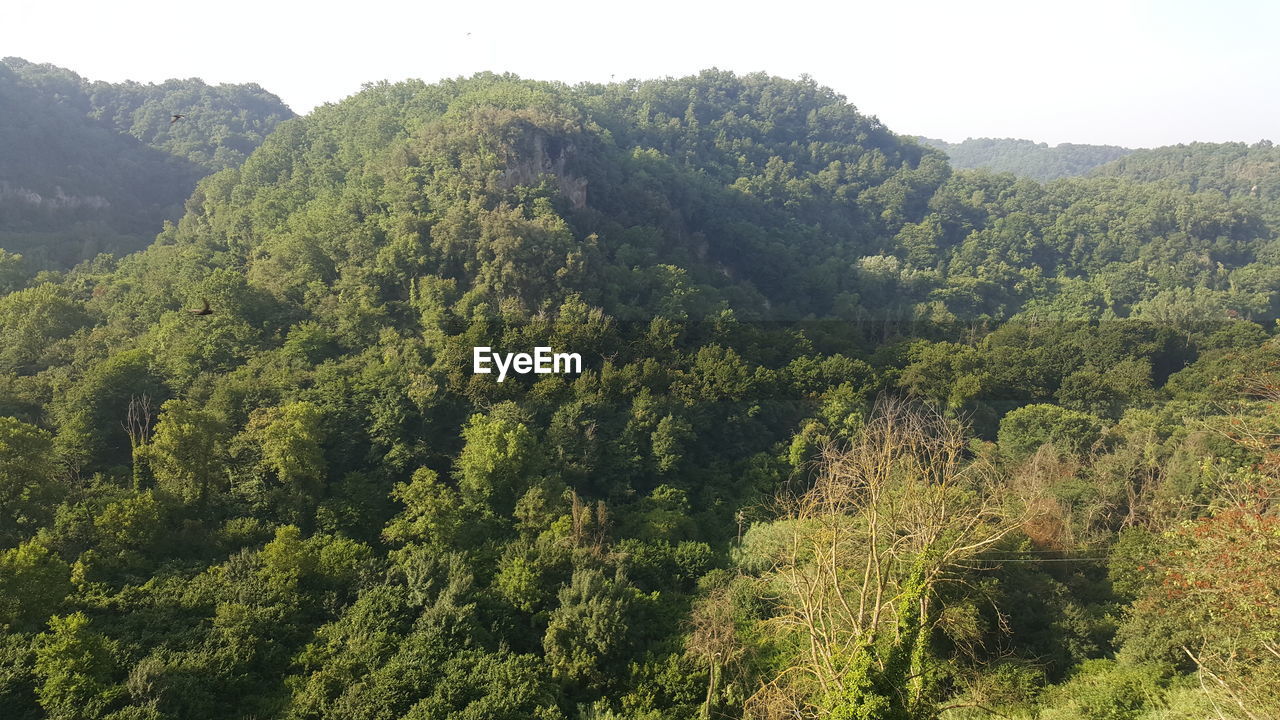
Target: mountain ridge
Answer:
pixel 93 167
pixel 1027 158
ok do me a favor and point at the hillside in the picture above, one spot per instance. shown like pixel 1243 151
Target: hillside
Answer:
pixel 95 167
pixel 1234 169
pixel 1026 158
pixel 855 436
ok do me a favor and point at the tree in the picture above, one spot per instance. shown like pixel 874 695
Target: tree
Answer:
pixel 433 511
pixel 12 272
pixel 184 453
pixel 92 413
pixel 851 568
pixel 1211 596
pixel 289 443
pixel 1070 431
pixel 28 491
pixel 75 667
pixel 587 634
pixel 714 641
pixel 497 462
pixel 137 425
pixel 33 583
pixel 130 528
pixel 292 443
pixel 31 321
pixel 669 442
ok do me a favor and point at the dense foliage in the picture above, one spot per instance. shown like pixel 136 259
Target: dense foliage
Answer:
pixel 1026 158
pixel 857 436
pixel 92 166
pixel 1237 170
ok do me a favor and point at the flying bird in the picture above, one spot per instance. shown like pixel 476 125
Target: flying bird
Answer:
pixel 176 118
pixel 202 311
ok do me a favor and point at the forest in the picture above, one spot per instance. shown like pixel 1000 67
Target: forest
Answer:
pixel 92 167
pixel 1026 158
pixel 859 435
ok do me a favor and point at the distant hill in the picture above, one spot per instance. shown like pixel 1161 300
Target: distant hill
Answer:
pixel 1234 169
pixel 89 167
pixel 1026 158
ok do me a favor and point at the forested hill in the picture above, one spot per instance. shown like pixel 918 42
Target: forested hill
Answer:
pixel 88 167
pixel 689 197
pixel 1234 169
pixel 685 196
pixel 855 436
pixel 1026 158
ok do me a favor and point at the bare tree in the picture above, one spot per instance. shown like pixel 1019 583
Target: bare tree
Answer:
pixel 714 640
pixel 137 424
pixel 854 560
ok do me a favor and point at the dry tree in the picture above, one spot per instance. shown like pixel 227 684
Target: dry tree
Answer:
pixel 853 561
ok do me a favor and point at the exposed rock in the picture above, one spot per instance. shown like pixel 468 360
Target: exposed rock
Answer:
pixel 545 155
pixel 57 200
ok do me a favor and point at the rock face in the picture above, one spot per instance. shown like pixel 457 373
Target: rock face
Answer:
pixel 56 200
pixel 544 155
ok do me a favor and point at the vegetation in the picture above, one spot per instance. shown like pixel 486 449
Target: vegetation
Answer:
pixel 1237 170
pixel 96 167
pixel 857 436
pixel 1026 158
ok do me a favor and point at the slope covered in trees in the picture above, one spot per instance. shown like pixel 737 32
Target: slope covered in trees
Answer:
pixel 1236 170
pixel 857 436
pixel 1026 158
pixel 96 167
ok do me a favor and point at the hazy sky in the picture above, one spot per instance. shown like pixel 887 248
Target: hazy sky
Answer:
pixel 1140 73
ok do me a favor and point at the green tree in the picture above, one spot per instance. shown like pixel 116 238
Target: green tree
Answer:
pixel 498 461
pixel 76 670
pixel 433 512
pixel 33 583
pixel 28 490
pixel 289 441
pixel 587 633
pixel 131 528
pixel 32 321
pixel 1024 430
pixel 184 453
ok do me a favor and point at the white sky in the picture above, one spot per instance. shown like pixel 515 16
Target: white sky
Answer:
pixel 1139 73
